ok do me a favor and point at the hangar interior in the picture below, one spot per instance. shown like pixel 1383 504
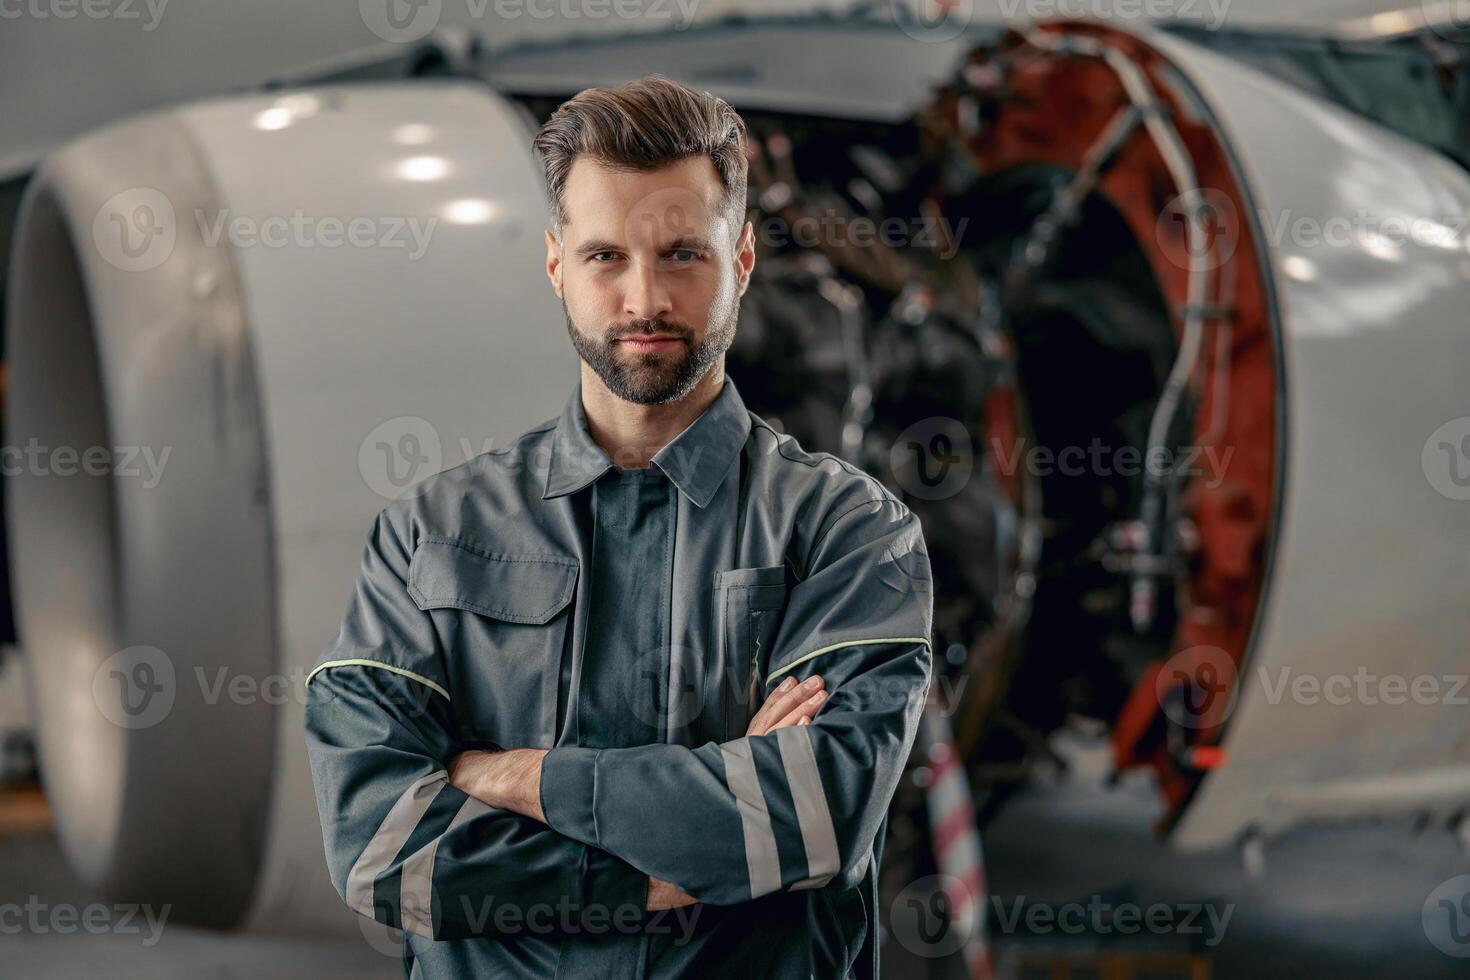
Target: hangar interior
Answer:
pixel 992 254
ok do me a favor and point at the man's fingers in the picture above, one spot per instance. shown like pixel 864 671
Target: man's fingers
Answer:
pixel 789 694
pixel 802 712
pixel 782 702
pixel 666 895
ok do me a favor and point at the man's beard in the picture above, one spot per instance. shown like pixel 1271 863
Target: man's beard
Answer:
pixel 653 377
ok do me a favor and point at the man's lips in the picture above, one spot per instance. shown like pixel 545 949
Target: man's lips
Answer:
pixel 651 343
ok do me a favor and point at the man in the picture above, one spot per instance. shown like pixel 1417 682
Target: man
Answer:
pixel 631 696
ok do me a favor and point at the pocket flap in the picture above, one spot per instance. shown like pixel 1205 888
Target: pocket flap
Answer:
pixel 764 587
pixel 747 578
pixel 518 588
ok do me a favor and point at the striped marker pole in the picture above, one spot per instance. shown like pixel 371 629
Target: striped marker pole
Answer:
pixel 957 851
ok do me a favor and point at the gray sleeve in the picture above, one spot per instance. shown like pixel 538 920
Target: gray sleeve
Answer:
pixel 402 845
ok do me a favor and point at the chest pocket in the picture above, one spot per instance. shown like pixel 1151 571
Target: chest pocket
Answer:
pixel 748 606
pixel 503 620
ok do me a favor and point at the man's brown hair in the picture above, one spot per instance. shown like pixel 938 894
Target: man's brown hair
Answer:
pixel 645 124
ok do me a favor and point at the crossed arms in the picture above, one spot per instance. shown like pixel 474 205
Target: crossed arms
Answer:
pixel 511 780
pixel 427 838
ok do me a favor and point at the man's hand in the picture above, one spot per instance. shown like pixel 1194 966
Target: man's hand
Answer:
pixel 663 895
pixel 790 704
pixel 509 780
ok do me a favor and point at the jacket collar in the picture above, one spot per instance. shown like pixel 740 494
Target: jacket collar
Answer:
pixel 696 460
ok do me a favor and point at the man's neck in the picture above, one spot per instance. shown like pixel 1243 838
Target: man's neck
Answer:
pixel 631 433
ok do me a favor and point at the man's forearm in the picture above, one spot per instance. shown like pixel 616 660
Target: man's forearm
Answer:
pixel 511 780
pixel 508 780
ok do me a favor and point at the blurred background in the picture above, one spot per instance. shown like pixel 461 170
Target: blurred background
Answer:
pixel 1153 310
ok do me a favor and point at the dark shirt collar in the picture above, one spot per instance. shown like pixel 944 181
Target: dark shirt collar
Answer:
pixel 696 460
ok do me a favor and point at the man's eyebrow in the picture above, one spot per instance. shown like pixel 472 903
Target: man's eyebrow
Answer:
pixel 593 247
pixel 692 242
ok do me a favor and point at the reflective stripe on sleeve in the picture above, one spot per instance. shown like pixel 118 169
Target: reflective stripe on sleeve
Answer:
pixel 838 646
pixel 416 886
pixel 817 833
pixel 755 820
pixel 431 685
pixel 389 839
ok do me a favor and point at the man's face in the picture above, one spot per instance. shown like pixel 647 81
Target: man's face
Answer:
pixel 650 275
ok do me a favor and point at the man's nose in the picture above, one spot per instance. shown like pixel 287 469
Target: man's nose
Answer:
pixel 646 296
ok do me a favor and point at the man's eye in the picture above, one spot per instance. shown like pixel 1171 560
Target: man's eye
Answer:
pixel 685 255
pixel 595 255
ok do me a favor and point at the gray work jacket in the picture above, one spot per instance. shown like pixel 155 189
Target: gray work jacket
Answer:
pixel 467 629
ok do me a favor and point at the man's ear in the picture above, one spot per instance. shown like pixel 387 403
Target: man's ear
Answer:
pixel 553 262
pixel 745 256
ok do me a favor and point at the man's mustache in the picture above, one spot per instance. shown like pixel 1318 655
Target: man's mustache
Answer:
pixel 623 333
